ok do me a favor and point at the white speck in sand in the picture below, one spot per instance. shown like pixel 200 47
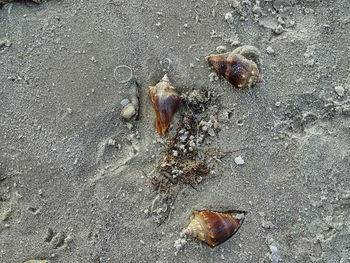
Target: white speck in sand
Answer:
pixel 239 160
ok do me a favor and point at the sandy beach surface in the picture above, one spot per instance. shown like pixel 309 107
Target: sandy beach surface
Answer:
pixel 75 179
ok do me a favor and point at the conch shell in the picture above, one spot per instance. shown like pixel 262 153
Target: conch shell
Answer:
pixel 238 70
pixel 214 228
pixel 165 102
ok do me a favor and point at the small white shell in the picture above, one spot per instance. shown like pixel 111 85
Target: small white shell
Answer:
pixel 128 111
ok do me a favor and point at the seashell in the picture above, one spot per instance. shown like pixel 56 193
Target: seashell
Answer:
pixel 214 228
pixel 165 102
pixel 128 111
pixel 131 109
pixel 238 70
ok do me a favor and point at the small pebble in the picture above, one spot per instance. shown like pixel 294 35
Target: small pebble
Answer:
pixel 124 102
pixel 239 160
pixel 111 142
pixel 229 18
pixel 183 138
pixel 211 132
pixel 213 77
pixel 234 3
pixel 278 30
pixel 270 50
pixel 275 254
pixel 221 49
pixel 339 90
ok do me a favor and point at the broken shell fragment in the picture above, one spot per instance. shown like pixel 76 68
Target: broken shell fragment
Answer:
pixel 165 102
pixel 214 228
pixel 238 70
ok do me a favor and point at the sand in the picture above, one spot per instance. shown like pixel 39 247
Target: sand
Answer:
pixel 72 187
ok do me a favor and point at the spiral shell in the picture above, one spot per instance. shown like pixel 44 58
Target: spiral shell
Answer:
pixel 238 70
pixel 214 228
pixel 165 102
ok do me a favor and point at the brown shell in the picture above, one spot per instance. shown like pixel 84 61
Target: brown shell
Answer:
pixel 165 102
pixel 214 228
pixel 238 70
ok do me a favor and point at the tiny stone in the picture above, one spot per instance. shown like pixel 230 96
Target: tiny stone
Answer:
pixel 124 102
pixel 211 132
pixel 234 3
pixel 229 18
pixel 179 243
pixel 216 124
pixel 339 90
pixel 175 153
pixel 69 110
pixel 270 50
pixel 221 49
pixel 213 77
pixel 278 103
pixel 142 242
pixel 275 254
pixel 278 30
pixel 239 160
pixel 111 142
pixel 183 138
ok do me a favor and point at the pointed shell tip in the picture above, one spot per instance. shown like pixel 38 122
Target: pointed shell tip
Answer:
pixel 165 78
